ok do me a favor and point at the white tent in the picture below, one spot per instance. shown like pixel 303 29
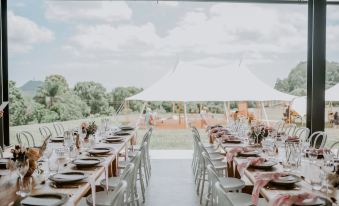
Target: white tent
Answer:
pixel 191 82
pixel 332 94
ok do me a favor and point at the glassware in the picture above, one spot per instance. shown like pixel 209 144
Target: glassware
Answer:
pixel 22 168
pixel 313 155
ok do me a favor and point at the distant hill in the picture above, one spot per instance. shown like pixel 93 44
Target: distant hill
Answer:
pixel 30 87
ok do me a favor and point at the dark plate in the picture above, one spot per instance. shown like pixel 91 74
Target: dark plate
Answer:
pixel 122 133
pixel 44 199
pixel 69 177
pixel 121 139
pixel 57 139
pixel 126 128
pixel 286 181
pixel 99 150
pixel 265 165
pixel 254 153
pixel 87 162
pixel 232 141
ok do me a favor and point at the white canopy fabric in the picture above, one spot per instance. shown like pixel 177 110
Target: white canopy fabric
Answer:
pixel 332 94
pixel 191 82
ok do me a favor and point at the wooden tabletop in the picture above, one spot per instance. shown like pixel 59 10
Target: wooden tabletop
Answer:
pixel 9 186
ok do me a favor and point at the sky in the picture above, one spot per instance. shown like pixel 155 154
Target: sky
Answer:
pixel 119 43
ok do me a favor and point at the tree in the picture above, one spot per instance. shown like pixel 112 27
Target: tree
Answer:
pixel 70 106
pixel 296 81
pixel 94 95
pixel 119 94
pixel 52 88
pixel 17 106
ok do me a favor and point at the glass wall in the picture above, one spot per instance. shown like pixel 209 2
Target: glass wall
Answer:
pixel 74 61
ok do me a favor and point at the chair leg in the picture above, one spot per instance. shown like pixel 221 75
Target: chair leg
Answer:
pixel 142 185
pixel 202 186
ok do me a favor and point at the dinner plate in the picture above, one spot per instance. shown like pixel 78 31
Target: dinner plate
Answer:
pixel 87 162
pixel 57 139
pixel 43 199
pixel 3 163
pixel 126 128
pixel 122 133
pixel 320 201
pixel 109 140
pixel 253 153
pixel 99 150
pixel 235 141
pixel 68 177
pixel 265 165
pixel 287 180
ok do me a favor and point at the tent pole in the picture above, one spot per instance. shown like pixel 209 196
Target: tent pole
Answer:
pixel 115 117
pixel 185 111
pixel 264 110
pixel 140 116
pixel 226 112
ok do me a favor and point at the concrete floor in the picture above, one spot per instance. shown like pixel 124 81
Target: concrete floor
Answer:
pixel 171 184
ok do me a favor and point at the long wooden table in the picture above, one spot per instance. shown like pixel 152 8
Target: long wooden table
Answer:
pixel 9 187
pixel 306 170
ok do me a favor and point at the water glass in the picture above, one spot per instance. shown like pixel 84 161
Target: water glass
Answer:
pixel 53 166
pixel 22 168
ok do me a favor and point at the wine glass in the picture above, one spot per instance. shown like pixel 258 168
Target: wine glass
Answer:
pixel 21 168
pixel 313 155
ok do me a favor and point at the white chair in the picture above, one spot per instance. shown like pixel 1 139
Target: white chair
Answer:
pixel 27 137
pixel 334 148
pixel 227 183
pixel 45 132
pixel 222 198
pixel 59 129
pixel 114 181
pixel 317 139
pixel 302 133
pixel 104 198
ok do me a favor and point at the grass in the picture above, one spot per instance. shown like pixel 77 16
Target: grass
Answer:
pixel 162 138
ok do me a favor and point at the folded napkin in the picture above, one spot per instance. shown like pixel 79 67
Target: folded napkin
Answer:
pixel 292 139
pixel 288 200
pixel 42 201
pixel 234 151
pixel 261 179
pixel 229 137
pixel 248 162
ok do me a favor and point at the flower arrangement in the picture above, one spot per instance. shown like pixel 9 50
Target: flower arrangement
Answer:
pixel 258 133
pixel 23 154
pixel 89 128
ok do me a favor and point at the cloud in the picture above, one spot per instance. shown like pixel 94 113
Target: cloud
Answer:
pixel 99 11
pixel 169 3
pixel 23 33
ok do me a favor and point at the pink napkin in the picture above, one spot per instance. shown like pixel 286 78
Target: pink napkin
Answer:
pixel 250 161
pixel 234 151
pixel 288 200
pixel 261 179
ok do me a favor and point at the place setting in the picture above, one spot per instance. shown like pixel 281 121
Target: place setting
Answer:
pixel 86 162
pixel 126 128
pixel 114 139
pixel 100 151
pixel 67 179
pixel 43 199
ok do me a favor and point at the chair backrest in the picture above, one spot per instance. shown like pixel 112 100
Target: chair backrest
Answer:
pixel 289 129
pixel 1 153
pixel 25 138
pixel 317 139
pixel 127 176
pixel 302 133
pixel 59 129
pixel 335 149
pixel 45 132
pixel 212 179
pixel 221 198
pixel 118 196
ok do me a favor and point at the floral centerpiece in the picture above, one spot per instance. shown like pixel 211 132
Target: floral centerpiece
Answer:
pixel 89 128
pixel 258 133
pixel 21 153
